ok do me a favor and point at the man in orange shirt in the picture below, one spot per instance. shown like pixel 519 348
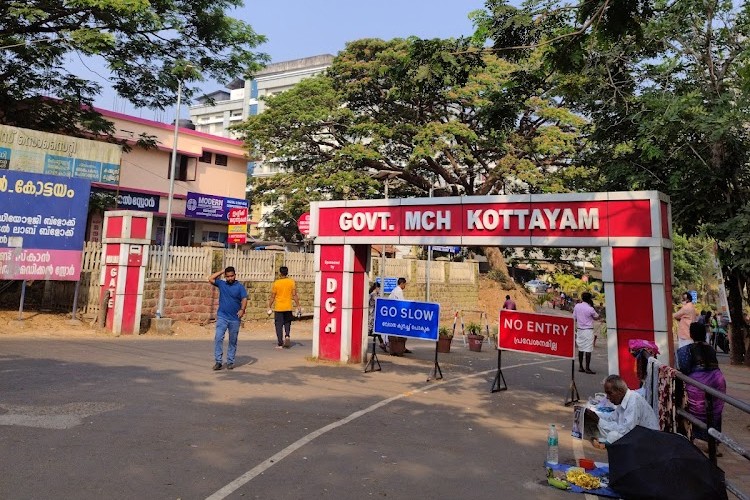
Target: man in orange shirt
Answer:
pixel 283 292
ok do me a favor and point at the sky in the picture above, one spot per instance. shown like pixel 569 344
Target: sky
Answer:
pixel 303 28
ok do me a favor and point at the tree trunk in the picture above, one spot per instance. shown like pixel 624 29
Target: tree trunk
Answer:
pixel 495 259
pixel 738 328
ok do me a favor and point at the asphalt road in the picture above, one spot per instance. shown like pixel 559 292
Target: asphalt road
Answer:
pixel 146 417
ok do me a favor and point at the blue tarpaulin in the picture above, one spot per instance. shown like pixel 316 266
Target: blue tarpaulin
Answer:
pixel 600 471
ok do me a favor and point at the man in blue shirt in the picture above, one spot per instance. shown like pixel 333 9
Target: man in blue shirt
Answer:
pixel 232 305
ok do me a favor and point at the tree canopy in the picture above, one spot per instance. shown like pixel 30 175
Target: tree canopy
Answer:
pixel 145 44
pixel 429 114
pixel 667 100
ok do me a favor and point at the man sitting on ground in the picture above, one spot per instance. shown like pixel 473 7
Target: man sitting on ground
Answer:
pixel 631 410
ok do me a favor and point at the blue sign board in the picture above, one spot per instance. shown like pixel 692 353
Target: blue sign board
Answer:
pixel 138 201
pixel 208 206
pixel 390 284
pixel 407 318
pixel 446 249
pixel 42 225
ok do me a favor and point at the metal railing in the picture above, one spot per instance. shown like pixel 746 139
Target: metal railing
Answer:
pixel 714 434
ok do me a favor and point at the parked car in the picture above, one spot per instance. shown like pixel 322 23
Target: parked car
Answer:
pixel 537 286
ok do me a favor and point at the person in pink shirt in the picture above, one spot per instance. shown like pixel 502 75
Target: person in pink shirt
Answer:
pixel 686 315
pixel 509 304
pixel 584 315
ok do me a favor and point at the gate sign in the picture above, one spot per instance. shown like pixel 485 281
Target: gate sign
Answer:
pixel 536 333
pixel 407 318
pixel 42 226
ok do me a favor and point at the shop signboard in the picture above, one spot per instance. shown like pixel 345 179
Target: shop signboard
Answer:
pixel 237 229
pixel 42 226
pixel 211 207
pixel 54 154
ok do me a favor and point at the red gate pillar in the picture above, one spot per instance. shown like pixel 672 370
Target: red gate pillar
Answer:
pixel 638 287
pixel 127 236
pixel 340 316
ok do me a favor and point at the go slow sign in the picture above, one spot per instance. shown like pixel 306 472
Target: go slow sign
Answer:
pixel 407 318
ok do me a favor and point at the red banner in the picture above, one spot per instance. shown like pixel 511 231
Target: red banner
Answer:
pixel 536 333
pixel 237 229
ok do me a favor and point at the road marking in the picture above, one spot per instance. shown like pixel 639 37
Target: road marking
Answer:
pixel 281 455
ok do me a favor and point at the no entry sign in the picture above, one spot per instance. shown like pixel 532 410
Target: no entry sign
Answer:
pixel 536 333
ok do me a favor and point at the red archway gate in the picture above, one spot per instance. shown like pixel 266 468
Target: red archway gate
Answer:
pixel 632 229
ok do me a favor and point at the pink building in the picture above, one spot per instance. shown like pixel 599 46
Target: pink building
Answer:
pixel 211 175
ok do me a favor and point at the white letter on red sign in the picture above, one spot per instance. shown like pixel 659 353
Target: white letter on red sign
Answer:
pixel 588 219
pixel 444 219
pixel 330 304
pixel 331 285
pixel 472 219
pixel 345 221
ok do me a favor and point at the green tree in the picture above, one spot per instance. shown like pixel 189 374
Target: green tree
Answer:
pixel 143 43
pixel 430 114
pixel 666 94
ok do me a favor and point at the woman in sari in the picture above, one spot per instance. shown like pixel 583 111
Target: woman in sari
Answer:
pixel 698 361
pixel 374 294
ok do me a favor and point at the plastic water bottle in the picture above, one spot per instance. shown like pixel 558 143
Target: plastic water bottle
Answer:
pixel 552 445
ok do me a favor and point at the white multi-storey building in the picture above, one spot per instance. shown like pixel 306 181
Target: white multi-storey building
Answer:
pixel 218 111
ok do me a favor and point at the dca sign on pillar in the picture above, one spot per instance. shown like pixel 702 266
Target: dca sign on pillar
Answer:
pixel 407 318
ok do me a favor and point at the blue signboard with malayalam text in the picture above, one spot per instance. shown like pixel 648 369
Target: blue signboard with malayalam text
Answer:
pixel 42 225
pixel 407 318
pixel 390 284
pixel 208 206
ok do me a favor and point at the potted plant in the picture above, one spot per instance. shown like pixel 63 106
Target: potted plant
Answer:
pixel 475 337
pixel 445 336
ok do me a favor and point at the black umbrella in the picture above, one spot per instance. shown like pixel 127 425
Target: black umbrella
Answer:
pixel 645 464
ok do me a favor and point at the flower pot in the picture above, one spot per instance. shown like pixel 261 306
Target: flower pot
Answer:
pixel 396 345
pixel 475 342
pixel 444 344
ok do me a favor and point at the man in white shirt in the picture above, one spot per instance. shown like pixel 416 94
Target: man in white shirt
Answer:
pixel 631 410
pixel 398 294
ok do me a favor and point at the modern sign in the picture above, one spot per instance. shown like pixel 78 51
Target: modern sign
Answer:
pixel 54 154
pixel 303 223
pixel 42 226
pixel 237 230
pixel 208 206
pixel 407 318
pixel 536 333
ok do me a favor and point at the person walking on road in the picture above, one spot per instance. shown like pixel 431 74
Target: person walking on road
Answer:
pixel 232 305
pixel 283 292
pixel 685 316
pixel 374 294
pixel 509 304
pixel 584 315
pixel 398 294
